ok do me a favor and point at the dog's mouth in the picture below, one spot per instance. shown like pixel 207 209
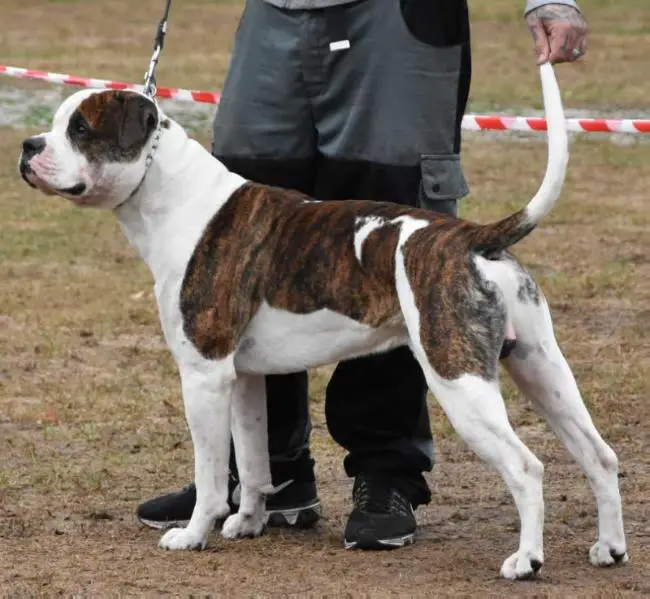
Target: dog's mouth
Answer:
pixel 24 171
pixel 75 190
pixel 32 179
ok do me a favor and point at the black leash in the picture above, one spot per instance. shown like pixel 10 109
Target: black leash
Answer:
pixel 159 42
pixel 150 91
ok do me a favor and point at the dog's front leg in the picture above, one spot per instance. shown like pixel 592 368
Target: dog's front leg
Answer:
pixel 207 392
pixel 250 436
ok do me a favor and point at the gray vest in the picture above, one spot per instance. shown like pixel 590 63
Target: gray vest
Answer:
pixel 307 4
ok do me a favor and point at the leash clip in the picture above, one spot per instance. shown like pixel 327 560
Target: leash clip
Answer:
pixel 150 87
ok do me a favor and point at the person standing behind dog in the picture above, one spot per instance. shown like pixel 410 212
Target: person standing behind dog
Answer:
pixel 356 99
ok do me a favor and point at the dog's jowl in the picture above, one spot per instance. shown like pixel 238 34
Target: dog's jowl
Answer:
pixel 253 280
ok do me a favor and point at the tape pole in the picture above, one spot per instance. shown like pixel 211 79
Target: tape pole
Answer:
pixel 471 122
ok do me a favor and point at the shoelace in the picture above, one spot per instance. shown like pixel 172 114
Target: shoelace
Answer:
pixel 378 497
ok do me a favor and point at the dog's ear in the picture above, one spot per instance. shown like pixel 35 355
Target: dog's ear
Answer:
pixel 139 117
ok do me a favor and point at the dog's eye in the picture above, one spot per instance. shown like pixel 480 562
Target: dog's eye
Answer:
pixel 80 128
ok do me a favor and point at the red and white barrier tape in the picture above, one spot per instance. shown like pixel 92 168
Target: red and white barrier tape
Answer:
pixel 471 122
pixel 171 93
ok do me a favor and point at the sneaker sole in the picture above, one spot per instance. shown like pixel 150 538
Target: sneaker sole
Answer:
pixel 304 516
pixel 163 525
pixel 378 544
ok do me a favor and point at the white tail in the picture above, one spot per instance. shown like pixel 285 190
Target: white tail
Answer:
pixel 558 153
pixel 498 236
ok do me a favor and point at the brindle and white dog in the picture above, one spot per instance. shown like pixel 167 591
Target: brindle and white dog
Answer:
pixel 252 280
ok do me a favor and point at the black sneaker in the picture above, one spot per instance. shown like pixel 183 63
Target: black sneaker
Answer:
pixel 382 517
pixel 170 510
pixel 295 505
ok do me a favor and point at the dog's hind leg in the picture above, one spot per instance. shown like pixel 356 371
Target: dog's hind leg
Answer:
pixel 472 400
pixel 541 371
pixel 477 412
pixel 250 436
pixel 207 390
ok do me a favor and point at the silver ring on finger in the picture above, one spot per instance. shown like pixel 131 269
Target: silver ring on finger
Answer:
pixel 576 52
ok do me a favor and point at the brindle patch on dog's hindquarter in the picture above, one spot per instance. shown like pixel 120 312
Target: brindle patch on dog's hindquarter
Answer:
pixel 462 315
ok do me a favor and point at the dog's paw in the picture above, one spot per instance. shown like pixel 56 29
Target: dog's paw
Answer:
pixel 179 538
pixel 239 526
pixel 523 565
pixel 605 554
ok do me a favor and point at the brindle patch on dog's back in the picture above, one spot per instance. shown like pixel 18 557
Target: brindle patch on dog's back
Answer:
pixel 269 244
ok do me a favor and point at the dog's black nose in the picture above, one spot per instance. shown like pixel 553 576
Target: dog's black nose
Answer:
pixel 33 146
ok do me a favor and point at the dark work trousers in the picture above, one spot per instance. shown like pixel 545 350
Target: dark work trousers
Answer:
pixel 363 101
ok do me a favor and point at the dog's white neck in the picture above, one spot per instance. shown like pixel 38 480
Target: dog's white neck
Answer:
pixel 184 187
pixel 148 161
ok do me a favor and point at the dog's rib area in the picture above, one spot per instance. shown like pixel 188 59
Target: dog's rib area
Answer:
pixel 269 244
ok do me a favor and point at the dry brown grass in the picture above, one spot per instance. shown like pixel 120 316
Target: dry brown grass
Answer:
pixel 91 419
pixel 610 76
pixel 112 40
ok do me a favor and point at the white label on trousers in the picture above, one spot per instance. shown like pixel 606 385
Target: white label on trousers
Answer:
pixel 340 45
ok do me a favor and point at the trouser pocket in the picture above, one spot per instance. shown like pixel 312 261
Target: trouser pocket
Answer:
pixel 442 182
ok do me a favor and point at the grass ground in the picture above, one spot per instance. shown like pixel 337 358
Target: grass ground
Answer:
pixel 112 40
pixel 91 420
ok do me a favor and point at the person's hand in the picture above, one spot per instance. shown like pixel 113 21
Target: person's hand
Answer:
pixel 559 31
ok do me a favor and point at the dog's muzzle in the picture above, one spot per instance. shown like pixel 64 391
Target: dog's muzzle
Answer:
pixel 33 146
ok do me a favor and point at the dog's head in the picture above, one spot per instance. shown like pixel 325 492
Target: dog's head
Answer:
pixel 96 152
